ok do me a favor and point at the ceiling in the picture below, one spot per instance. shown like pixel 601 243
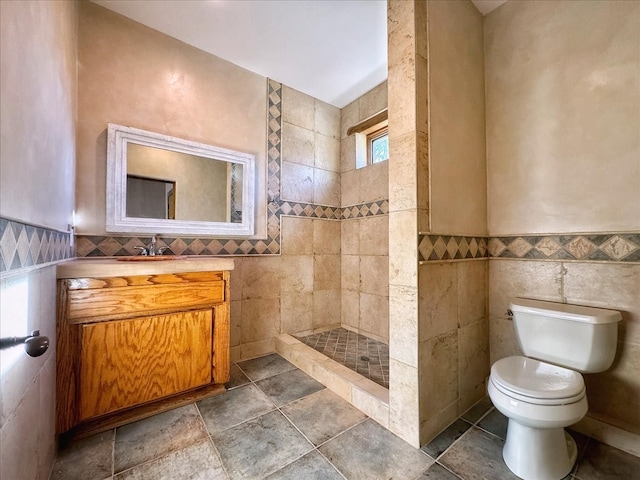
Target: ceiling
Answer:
pixel 332 50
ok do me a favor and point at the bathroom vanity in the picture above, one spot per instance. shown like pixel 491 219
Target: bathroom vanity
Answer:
pixel 135 338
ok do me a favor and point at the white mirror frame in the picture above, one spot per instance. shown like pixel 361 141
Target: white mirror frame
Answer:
pixel 118 222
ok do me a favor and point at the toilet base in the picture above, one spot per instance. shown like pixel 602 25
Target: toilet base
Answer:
pixel 539 454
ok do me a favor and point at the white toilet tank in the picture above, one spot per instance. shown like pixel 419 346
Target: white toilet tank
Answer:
pixel 572 336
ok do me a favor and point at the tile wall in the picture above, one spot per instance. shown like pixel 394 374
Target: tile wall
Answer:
pixel 614 396
pixel 409 210
pixel 438 267
pixel 365 241
pixel 303 286
pixel 299 290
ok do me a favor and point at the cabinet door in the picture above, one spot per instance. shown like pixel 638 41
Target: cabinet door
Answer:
pixel 130 362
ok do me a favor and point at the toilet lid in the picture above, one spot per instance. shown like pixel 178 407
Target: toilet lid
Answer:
pixel 536 379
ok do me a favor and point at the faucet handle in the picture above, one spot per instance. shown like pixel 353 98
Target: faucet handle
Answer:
pixel 144 251
pixel 161 249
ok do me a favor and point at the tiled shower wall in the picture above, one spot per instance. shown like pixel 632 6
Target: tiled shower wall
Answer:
pixel 299 290
pixel 365 241
pixel 302 289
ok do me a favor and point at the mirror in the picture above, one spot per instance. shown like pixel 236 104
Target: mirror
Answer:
pixel 162 184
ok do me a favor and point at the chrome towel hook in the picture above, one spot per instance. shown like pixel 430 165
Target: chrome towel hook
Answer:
pixel 35 344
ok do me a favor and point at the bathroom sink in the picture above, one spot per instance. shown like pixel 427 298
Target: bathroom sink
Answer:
pixel 151 258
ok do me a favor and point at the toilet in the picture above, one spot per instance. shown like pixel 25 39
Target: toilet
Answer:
pixel 543 392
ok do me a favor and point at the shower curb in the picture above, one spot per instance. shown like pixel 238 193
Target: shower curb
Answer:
pixel 364 394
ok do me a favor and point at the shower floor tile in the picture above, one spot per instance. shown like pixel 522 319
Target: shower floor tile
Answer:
pixel 364 355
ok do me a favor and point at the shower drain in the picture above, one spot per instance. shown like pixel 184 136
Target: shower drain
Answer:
pixel 365 359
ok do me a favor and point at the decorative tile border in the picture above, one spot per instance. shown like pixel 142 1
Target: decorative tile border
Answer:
pixel 100 246
pixel 369 209
pixel 296 209
pixel 23 245
pixel 609 247
pixel 450 247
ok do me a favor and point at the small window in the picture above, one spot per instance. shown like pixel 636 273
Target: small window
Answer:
pixel 378 146
pixel 372 139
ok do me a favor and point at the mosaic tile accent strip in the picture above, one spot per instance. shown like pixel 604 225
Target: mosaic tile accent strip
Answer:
pixel 608 247
pixel 380 207
pixel 309 210
pixel 449 247
pixel 363 355
pixel 23 245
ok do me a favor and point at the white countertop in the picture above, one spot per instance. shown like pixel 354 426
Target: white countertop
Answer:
pixel 112 267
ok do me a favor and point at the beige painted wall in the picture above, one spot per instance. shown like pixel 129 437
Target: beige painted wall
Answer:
pixel 38 109
pixel 365 241
pixel 37 156
pixel 132 75
pixel 563 110
pixel 563 117
pixel 458 180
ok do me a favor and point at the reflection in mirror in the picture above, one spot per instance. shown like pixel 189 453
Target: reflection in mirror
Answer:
pixel 151 198
pixel 161 184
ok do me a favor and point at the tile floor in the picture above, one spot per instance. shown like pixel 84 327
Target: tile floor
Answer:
pixel 363 355
pixel 276 422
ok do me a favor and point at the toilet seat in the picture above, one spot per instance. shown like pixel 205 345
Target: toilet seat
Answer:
pixel 536 382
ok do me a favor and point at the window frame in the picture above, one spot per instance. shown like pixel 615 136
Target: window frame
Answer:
pixel 381 130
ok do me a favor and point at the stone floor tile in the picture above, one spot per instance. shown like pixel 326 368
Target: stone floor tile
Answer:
pixel 496 423
pixel 322 415
pixel 237 378
pixel 369 451
pixel 156 436
pixel 312 466
pixel 603 462
pixel 581 444
pixel 437 472
pixel 90 457
pixel 259 447
pixel 196 462
pixel 234 407
pixel 438 445
pixel 264 367
pixel 289 386
pixel 476 412
pixel 477 456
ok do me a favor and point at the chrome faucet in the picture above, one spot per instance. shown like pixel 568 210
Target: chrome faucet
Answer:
pixel 151 250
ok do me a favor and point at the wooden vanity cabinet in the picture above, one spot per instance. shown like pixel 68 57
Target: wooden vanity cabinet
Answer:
pixel 132 346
